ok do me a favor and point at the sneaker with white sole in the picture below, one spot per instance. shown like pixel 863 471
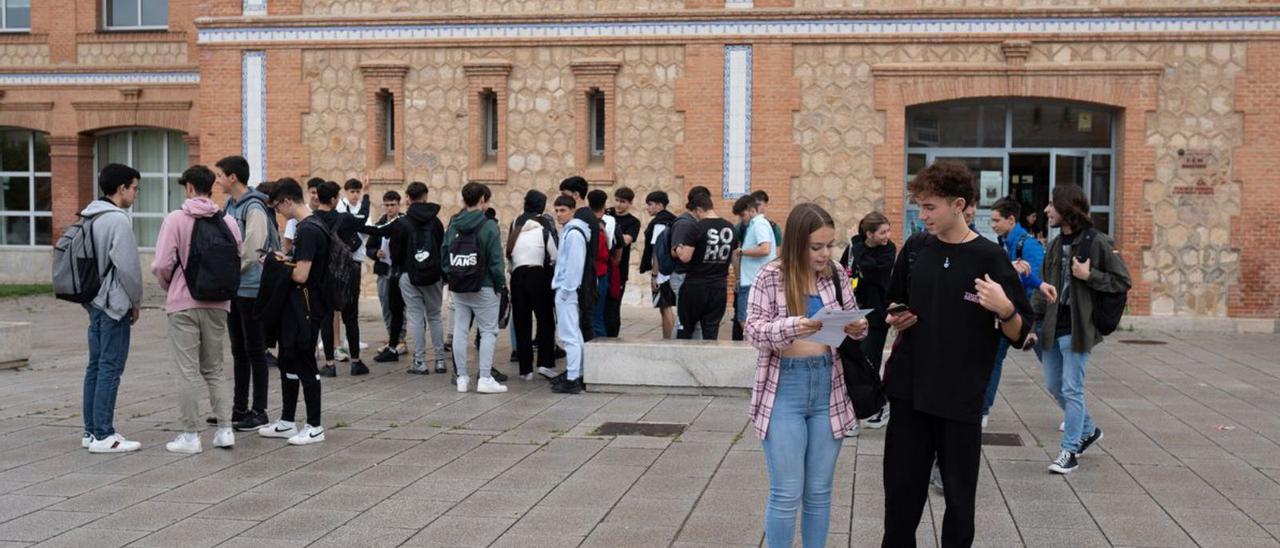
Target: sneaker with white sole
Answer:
pixel 985 416
pixel 224 438
pixel 880 419
pixel 526 377
pixel 1064 464
pixel 488 385
pixel 279 429
pixel 1062 426
pixel 308 435
pixel 114 443
pixel 1088 442
pixel 341 354
pixel 186 442
pixel 85 439
pixel 462 383
pixel 548 372
pixel 440 367
pixel 935 479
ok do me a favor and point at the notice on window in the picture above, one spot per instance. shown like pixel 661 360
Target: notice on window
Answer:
pixel 991 187
pixel 1084 121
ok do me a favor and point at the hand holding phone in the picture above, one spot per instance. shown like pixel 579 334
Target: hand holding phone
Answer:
pixel 900 316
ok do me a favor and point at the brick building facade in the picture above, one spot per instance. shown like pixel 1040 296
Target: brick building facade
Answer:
pixel 1166 111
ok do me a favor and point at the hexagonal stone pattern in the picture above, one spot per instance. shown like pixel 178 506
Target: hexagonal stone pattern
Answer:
pixel 24 55
pixel 1003 3
pixel 132 53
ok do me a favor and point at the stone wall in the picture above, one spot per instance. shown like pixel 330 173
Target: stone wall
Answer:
pixel 132 53
pixel 539 123
pixel 361 7
pixel 24 55
pixel 882 4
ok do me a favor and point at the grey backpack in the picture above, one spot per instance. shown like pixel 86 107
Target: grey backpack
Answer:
pixel 75 263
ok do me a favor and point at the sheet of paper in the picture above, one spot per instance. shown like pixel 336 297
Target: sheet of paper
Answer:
pixel 833 322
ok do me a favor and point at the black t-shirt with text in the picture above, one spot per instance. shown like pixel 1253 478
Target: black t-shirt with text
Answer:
pixel 311 243
pixel 713 243
pixel 1065 299
pixel 683 231
pixel 942 363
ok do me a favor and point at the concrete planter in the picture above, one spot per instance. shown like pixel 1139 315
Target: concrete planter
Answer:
pixel 15 344
pixel 670 367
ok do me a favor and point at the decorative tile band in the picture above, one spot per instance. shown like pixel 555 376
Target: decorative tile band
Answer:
pixel 752 27
pixel 737 121
pixel 253 109
pixel 96 78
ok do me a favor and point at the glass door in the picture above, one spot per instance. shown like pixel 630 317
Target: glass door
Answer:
pixel 1070 167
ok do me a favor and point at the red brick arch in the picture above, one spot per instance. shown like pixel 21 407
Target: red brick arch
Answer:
pixel 1131 89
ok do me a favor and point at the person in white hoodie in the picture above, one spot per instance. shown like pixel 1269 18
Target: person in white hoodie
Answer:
pixel 531 248
pixel 114 311
pixel 198 327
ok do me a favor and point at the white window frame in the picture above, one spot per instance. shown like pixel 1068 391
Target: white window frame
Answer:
pixel 31 213
pixel 4 18
pixel 106 13
pixel 169 176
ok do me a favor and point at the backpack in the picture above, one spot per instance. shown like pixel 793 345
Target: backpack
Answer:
pixel 662 250
pixel 466 263
pixel 273 232
pixel 424 266
pixel 1108 308
pixel 212 269
pixel 337 280
pixel 861 378
pixel 75 263
pixel 588 293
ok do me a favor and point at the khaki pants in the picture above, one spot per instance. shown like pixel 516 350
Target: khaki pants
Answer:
pixel 196 336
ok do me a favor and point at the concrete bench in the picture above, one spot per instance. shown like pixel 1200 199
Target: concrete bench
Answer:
pixel 15 344
pixel 670 367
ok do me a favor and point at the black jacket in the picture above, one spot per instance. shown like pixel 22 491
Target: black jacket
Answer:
pixel 374 244
pixel 282 308
pixel 872 267
pixel 420 215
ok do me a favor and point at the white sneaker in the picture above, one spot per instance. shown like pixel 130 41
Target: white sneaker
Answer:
pixel 853 432
pixel 486 385
pixel 401 349
pixel 85 439
pixel 186 442
pixel 279 429
pixel 984 421
pixel 224 438
pixel 1062 426
pixel 308 435
pixel 341 354
pixel 114 443
pixel 547 372
pixel 526 377
pixel 462 383
pixel 880 419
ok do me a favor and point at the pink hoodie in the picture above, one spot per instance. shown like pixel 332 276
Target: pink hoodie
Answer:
pixel 174 241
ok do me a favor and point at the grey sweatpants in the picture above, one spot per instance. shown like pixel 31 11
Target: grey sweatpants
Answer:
pixel 196 337
pixel 422 309
pixel 483 305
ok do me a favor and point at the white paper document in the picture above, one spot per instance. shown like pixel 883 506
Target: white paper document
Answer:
pixel 833 322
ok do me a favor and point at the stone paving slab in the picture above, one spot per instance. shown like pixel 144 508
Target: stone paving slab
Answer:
pixel 1191 458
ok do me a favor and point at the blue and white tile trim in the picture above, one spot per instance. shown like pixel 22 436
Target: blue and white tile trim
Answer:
pixel 745 27
pixel 97 78
pixel 737 121
pixel 253 109
pixel 255 7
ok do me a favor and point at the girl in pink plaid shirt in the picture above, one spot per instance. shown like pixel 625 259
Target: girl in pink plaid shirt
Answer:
pixel 799 404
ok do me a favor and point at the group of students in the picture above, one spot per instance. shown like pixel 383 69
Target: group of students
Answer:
pixel 958 302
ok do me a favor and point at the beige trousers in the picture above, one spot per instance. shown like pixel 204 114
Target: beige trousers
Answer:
pixel 196 336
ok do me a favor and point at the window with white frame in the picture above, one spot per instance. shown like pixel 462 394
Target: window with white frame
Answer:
pixel 595 122
pixel 489 101
pixel 135 14
pixel 15 15
pixel 160 156
pixel 26 189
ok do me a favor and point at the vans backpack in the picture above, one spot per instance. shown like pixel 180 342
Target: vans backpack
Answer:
pixel 75 263
pixel 338 280
pixel 466 265
pixel 212 269
pixel 423 266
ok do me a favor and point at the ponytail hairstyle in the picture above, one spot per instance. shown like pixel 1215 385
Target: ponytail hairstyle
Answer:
pixel 804 220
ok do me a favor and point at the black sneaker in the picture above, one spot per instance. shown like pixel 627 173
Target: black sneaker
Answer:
pixel 498 375
pixel 387 354
pixel 236 416
pixel 560 353
pixel 448 347
pixel 272 362
pixel 359 368
pixel 440 367
pixel 252 421
pixel 1064 464
pixel 1089 441
pixel 328 371
pixel 562 385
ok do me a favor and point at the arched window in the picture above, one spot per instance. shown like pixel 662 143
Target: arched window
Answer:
pixel 161 156
pixel 26 190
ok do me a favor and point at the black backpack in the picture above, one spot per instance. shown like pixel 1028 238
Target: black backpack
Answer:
pixel 1108 308
pixel 662 250
pixel 337 280
pixel 861 379
pixel 212 269
pixel 466 262
pixel 423 265
pixel 75 263
pixel 273 232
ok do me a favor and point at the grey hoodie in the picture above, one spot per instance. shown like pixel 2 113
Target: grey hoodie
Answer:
pixel 114 244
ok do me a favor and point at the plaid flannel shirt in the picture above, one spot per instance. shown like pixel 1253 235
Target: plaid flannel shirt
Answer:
pixel 770 330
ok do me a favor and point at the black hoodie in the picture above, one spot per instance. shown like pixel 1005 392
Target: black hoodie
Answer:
pixel 872 266
pixel 401 230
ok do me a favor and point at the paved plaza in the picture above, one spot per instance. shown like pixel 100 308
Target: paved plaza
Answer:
pixel 1191 457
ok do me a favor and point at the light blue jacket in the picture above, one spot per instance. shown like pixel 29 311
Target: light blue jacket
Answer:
pixel 571 257
pixel 1032 252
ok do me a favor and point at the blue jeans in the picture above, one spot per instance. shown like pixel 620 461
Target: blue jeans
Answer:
pixel 568 332
pixel 108 351
pixel 740 303
pixel 1064 377
pixel 800 453
pixel 597 315
pixel 992 385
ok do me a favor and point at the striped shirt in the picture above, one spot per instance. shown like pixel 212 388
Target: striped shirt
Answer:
pixel 771 330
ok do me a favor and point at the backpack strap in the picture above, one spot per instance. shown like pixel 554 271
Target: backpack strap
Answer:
pixel 835 280
pixel 1021 241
